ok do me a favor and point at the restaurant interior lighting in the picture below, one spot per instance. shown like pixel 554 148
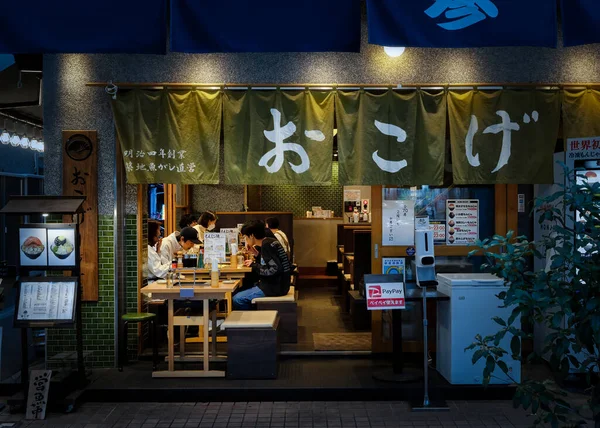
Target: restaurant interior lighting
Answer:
pixel 394 51
pixel 25 142
pixel 15 140
pixel 5 135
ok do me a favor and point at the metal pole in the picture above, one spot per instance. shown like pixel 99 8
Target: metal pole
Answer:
pixel 425 350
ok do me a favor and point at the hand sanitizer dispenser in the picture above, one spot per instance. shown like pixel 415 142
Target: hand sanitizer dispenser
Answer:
pixel 424 258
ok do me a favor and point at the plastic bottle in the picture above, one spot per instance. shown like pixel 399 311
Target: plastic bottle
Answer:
pixel 201 258
pixel 214 274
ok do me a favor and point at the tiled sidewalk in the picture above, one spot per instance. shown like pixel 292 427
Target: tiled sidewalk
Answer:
pixel 278 415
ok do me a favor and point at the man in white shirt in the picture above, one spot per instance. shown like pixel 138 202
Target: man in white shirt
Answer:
pixel 178 241
pixel 156 268
pixel 273 226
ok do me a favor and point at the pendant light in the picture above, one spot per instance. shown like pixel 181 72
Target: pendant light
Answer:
pixel 5 135
pixel 15 139
pixel 25 138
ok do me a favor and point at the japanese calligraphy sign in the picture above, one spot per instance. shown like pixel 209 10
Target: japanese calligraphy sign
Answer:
pixel 382 296
pixel 80 178
pixel 395 138
pixel 582 149
pixel 398 223
pixel 503 137
pixel 169 136
pixel 278 137
pixel 462 23
pixel 37 397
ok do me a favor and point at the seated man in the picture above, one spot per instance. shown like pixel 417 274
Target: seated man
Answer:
pixel 271 266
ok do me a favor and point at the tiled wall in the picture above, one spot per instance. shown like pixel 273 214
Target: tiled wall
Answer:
pixel 98 317
pixel 131 292
pixel 300 199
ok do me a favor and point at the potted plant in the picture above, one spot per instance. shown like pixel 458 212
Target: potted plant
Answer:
pixel 564 297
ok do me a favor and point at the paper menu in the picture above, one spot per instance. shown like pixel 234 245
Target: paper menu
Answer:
pixel 214 247
pixel 462 220
pixel 46 301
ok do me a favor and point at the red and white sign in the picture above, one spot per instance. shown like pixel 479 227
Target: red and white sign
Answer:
pixel 385 296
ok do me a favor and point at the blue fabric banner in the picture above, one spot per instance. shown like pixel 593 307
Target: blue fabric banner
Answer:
pixel 462 23
pixel 580 21
pixel 76 26
pixel 200 26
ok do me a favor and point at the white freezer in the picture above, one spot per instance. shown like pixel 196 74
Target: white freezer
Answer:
pixel 472 305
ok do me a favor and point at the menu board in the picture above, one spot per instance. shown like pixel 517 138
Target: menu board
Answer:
pixel 398 223
pixel 214 247
pixel 42 245
pixel 232 236
pixel 462 217
pixel 46 300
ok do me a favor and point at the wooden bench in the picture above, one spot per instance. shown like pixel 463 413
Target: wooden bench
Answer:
pixel 361 317
pixel 252 344
pixel 287 306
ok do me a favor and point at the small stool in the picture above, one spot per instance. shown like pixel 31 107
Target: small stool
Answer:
pixel 252 344
pixel 287 307
pixel 139 318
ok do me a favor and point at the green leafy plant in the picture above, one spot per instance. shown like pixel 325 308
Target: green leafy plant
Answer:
pixel 564 297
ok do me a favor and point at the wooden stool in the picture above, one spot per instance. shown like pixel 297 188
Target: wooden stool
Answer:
pixel 139 318
pixel 252 344
pixel 287 307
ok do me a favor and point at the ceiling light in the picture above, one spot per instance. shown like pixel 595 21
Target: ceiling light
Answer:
pixel 33 144
pixel 15 140
pixel 394 52
pixel 25 142
pixel 4 137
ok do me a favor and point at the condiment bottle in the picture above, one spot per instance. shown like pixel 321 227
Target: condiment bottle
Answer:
pixel 214 274
pixel 179 259
pixel 201 258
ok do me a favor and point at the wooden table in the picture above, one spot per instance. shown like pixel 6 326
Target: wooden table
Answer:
pixel 203 293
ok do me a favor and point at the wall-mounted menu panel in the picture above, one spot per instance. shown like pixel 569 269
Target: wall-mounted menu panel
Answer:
pixel 46 301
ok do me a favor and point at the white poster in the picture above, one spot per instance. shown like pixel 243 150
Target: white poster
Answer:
pixel 398 223
pixel 33 247
pixel 462 217
pixel 214 247
pixel 46 301
pixel 61 243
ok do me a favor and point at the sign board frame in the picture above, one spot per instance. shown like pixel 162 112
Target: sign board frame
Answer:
pixel 47 323
pixel 70 228
pixel 376 288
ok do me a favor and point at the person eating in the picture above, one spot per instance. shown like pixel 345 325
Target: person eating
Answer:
pixel 156 268
pixel 271 266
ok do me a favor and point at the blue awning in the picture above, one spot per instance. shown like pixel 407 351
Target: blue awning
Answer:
pixel 76 26
pixel 199 26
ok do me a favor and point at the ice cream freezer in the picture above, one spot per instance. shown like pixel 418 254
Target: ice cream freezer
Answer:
pixel 469 312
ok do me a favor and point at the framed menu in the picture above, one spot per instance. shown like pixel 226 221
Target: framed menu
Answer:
pixel 46 302
pixel 232 236
pixel 462 219
pixel 214 247
pixel 48 246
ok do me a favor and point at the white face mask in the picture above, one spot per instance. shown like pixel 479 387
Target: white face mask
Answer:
pixel 210 227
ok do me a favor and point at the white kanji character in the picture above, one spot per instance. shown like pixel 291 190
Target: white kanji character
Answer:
pixel 152 166
pixel 182 154
pixel 464 12
pixel 191 167
pixel 394 131
pixel 129 166
pixel 161 153
pixel 171 154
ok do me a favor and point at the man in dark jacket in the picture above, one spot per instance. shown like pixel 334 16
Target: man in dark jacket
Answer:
pixel 271 266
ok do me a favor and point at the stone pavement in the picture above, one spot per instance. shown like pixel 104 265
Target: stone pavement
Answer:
pixel 277 415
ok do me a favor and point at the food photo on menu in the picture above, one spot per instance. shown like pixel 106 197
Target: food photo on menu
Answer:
pixel 62 247
pixel 33 246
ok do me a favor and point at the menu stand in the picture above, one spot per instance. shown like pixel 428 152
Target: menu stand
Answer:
pixel 69 386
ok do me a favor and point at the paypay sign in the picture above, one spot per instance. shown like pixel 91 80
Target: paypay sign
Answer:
pixel 384 292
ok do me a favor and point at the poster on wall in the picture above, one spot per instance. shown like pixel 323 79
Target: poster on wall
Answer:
pixel 61 245
pixel 33 246
pixel 46 301
pixel 439 231
pixel 398 221
pixel 394 266
pixel 214 247
pixel 462 217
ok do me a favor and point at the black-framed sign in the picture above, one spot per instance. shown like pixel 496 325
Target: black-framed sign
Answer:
pixel 46 301
pixel 48 246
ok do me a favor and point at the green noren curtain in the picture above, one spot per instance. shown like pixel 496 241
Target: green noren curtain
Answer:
pixel 395 138
pixel 169 136
pixel 581 113
pixel 278 137
pixel 504 137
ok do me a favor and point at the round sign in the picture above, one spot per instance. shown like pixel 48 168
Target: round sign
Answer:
pixel 410 251
pixel 78 147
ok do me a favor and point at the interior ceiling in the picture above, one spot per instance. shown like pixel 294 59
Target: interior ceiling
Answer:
pixel 22 102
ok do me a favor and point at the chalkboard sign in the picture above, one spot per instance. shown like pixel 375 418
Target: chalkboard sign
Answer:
pixel 46 302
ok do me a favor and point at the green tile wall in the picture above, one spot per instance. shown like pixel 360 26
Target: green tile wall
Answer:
pixel 131 292
pixel 98 317
pixel 300 199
